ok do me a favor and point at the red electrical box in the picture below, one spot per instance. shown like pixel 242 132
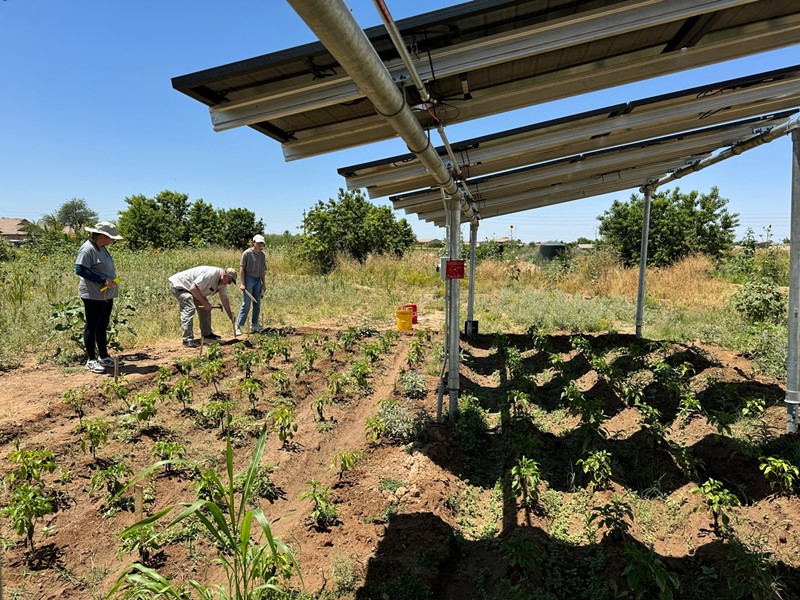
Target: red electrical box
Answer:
pixel 455 269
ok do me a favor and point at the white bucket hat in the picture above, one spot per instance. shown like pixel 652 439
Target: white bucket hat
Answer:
pixel 106 228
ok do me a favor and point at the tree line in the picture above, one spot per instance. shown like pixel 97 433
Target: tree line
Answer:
pixel 680 224
pixel 349 225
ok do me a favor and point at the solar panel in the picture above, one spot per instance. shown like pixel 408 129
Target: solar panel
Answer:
pixel 485 57
pixel 590 174
pixel 610 126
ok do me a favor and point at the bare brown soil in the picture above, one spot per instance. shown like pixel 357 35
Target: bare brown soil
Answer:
pixel 420 540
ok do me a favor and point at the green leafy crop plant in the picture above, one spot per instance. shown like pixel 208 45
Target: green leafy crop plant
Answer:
pixel 597 465
pixel 257 568
pixel 323 514
pixel 718 500
pixel 615 517
pixel 525 479
pixel 781 474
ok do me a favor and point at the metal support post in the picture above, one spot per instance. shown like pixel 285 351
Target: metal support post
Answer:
pixel 453 287
pixel 471 326
pixel 793 356
pixel 648 193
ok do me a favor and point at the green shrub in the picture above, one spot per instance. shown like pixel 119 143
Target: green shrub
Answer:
pixel 761 301
pixel 394 421
pixel 413 384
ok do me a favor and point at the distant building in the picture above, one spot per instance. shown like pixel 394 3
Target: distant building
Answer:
pixel 13 230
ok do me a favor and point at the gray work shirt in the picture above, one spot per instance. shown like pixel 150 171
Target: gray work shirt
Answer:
pixel 97 260
pixel 254 263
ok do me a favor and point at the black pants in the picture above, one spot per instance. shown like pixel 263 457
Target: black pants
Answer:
pixel 98 313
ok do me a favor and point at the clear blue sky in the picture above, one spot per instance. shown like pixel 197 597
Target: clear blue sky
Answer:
pixel 89 112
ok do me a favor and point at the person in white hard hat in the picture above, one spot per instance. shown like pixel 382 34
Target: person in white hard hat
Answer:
pixel 252 270
pixel 97 289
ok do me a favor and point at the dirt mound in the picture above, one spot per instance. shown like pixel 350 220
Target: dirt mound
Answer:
pixel 439 517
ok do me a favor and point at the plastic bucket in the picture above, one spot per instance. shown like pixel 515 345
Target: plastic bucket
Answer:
pixel 405 317
pixel 413 308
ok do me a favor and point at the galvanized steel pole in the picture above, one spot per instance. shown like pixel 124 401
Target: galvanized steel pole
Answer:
pixel 473 242
pixel 339 32
pixel 793 356
pixel 648 193
pixel 453 288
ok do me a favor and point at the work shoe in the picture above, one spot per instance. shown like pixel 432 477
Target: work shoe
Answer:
pixel 212 336
pixel 256 328
pixel 191 343
pixel 106 361
pixel 95 366
pixel 238 331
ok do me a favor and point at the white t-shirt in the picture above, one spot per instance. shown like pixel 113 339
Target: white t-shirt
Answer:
pixel 205 278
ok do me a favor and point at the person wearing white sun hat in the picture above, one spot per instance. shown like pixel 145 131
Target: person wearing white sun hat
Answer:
pixel 97 288
pixel 252 270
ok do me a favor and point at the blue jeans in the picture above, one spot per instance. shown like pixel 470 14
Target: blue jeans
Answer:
pixel 253 285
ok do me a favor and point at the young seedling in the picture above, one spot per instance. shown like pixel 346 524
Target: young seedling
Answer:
pixel 337 382
pixel 76 400
pixel 144 407
pixel 780 473
pixel 647 576
pixel 614 517
pixel 371 352
pixel 95 433
pixel 245 361
pixel 28 503
pixel 182 391
pixel 32 464
pixel 143 540
pixel 310 356
pixel 281 382
pixel 251 388
pixel 324 514
pixel 111 478
pixel 718 500
pixel 330 347
pixel 211 372
pixel 525 478
pixel 169 451
pixel 220 413
pixel 359 374
pixel 320 402
pixel 344 461
pixel 598 465
pixel 284 421
pixel 118 389
pixel 162 381
pixel 416 351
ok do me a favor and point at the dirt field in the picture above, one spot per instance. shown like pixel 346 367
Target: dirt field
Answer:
pixel 447 526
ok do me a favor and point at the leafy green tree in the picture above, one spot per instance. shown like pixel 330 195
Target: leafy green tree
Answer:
pixel 353 226
pixel 680 225
pixel 239 225
pixel 203 227
pixel 145 224
pixel 74 213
